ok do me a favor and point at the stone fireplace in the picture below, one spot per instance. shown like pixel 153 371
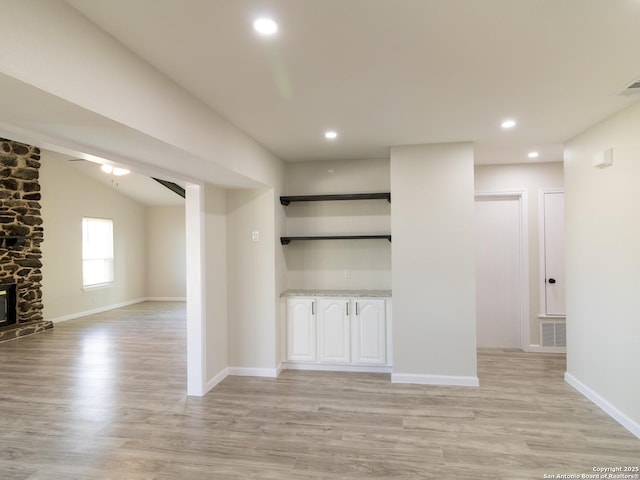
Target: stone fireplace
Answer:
pixel 21 234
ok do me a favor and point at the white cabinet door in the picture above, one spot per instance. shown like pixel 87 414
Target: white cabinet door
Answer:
pixel 301 329
pixel 334 343
pixel 369 332
pixel 553 251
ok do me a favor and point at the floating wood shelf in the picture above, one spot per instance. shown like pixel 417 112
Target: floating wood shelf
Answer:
pixel 286 200
pixel 287 240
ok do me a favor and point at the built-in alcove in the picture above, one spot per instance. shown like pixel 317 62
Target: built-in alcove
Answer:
pixel 337 225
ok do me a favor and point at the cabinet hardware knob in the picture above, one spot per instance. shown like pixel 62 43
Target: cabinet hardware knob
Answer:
pixel 552 280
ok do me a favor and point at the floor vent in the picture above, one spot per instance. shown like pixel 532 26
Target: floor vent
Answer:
pixel 554 334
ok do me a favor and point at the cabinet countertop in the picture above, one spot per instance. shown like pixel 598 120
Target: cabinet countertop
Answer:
pixel 337 293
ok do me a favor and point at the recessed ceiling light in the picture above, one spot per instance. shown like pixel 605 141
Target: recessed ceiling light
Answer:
pixel 265 26
pixel 330 135
pixel 533 155
pixel 509 123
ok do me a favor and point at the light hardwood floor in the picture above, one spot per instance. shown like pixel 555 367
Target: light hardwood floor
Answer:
pixel 104 398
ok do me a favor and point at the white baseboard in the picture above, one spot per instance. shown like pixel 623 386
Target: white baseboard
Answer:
pixel 215 381
pixel 541 349
pixel 166 299
pixel 458 381
pixel 93 311
pixel 254 372
pixel 337 368
pixel 608 408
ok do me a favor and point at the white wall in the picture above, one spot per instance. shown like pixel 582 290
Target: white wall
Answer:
pixel 529 177
pixel 434 327
pixel 215 288
pixel 603 266
pixel 67 196
pixel 166 252
pixel 252 281
pixel 321 264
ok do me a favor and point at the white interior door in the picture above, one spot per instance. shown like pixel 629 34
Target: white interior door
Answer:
pixel 498 289
pixel 554 283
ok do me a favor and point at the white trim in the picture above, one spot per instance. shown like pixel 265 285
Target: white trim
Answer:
pixel 459 381
pixel 215 381
pixel 253 372
pixel 97 286
pixel 93 311
pixel 608 408
pixel 336 368
pixel 541 349
pixel 523 204
pixel 196 298
pixel 166 299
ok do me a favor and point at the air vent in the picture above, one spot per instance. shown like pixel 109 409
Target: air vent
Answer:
pixel 633 89
pixel 554 334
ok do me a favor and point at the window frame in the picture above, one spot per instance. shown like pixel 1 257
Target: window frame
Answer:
pixel 102 251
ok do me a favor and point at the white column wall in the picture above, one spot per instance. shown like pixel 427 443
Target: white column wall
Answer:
pixel 434 325
pixel 251 267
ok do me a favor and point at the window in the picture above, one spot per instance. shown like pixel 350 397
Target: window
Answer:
pixel 97 251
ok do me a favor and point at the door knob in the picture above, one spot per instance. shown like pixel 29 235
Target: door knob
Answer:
pixel 552 280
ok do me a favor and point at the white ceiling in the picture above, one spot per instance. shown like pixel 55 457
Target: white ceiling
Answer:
pixel 399 72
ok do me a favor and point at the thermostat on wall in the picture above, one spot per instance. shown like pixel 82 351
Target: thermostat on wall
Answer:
pixel 603 159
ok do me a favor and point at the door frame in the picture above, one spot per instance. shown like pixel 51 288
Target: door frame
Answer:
pixel 542 267
pixel 523 228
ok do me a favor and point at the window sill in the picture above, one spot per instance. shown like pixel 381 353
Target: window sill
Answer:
pixel 97 286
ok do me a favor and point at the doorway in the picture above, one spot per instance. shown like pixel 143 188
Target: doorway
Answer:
pixel 501 270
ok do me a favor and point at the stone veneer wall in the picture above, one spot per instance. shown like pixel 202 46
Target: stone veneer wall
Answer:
pixel 21 257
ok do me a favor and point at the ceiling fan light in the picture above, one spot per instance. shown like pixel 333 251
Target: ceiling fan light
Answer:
pixel 118 172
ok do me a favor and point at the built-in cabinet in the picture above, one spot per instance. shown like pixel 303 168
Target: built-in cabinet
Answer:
pixel 338 330
pixel 301 329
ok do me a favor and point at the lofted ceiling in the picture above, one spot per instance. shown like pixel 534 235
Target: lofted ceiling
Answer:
pixel 140 188
pixel 392 72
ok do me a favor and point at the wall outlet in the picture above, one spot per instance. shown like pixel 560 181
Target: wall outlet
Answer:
pixel 347 273
pixel 255 236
